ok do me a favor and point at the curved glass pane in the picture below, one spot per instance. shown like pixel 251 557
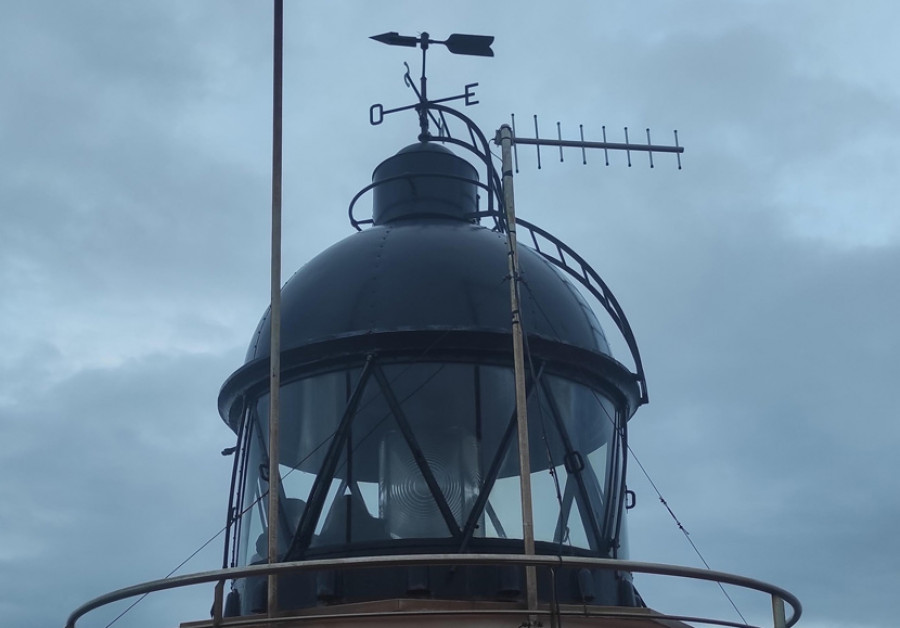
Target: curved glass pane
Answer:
pixel 428 450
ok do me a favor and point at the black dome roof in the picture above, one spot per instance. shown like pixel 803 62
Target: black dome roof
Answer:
pixel 426 274
pixel 425 265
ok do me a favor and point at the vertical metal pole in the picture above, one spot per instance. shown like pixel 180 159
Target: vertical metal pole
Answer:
pixel 423 112
pixel 506 137
pixel 778 612
pixel 218 603
pixel 275 311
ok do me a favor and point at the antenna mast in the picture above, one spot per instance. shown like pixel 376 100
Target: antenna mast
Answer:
pixel 519 368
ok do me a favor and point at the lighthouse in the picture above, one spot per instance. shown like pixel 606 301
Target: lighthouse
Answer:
pixel 451 424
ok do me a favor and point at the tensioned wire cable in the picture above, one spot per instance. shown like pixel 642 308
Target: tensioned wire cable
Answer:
pixel 634 457
pixel 556 615
pixel 171 573
pixel 266 493
pixel 415 361
pixel 537 303
pixel 687 535
pixel 244 511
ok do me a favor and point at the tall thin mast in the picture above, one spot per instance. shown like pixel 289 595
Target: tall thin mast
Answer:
pixel 275 311
pixel 506 139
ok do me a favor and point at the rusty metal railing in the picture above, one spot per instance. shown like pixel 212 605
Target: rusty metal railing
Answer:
pixel 779 596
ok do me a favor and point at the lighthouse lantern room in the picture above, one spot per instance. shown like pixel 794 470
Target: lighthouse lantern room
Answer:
pixel 398 422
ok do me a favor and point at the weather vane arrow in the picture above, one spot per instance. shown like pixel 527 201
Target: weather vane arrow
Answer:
pixel 473 45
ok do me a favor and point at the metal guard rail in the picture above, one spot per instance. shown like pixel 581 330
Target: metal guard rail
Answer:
pixel 559 254
pixel 779 596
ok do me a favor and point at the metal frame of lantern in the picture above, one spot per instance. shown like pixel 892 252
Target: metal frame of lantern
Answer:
pixel 600 373
pixel 372 352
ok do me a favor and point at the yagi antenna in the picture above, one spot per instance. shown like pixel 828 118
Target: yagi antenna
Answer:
pixel 537 141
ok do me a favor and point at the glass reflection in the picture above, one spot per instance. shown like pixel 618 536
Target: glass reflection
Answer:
pixel 428 450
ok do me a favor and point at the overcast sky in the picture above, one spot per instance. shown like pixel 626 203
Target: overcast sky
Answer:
pixel 761 281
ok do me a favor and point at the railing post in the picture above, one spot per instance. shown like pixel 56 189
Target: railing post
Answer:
pixel 778 612
pixel 218 603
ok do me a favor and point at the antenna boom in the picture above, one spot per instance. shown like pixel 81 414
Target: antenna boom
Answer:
pixel 655 148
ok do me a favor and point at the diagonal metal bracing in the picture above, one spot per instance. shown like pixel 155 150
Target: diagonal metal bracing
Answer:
pixel 562 521
pixel 417 453
pixel 488 484
pixel 319 491
pixel 575 468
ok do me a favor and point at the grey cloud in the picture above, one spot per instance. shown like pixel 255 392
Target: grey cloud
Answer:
pixel 133 267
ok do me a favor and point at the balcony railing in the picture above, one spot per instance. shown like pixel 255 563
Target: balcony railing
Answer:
pixel 779 596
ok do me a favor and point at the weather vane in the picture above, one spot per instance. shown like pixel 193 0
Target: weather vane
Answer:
pixel 472 45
